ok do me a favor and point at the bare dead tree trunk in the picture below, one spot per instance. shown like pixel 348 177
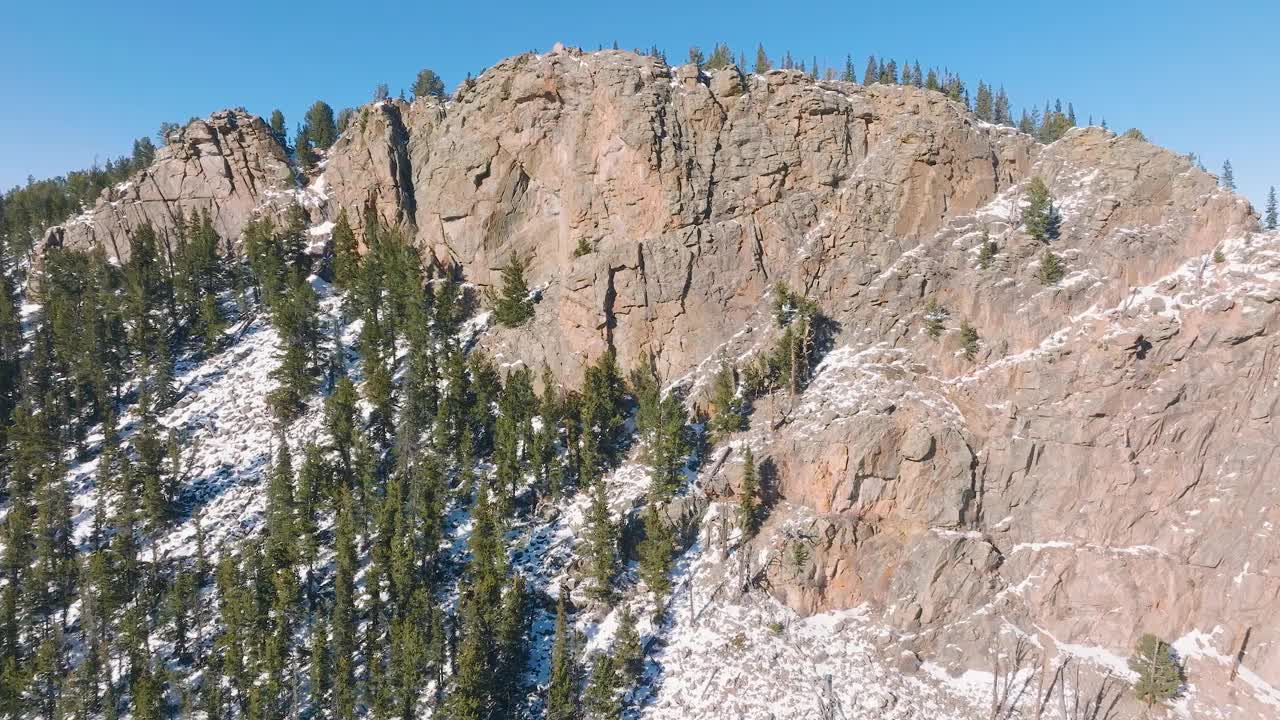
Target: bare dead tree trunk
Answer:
pixel 1239 654
pixel 1040 699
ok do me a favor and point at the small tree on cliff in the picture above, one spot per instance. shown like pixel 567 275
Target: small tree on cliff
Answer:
pixel 513 305
pixel 762 60
pixel 726 404
pixel 428 84
pixel 1159 673
pixel 346 254
pixel 320 126
pixel 1040 217
pixel 969 340
pixel 302 151
pixel 1051 269
pixel 277 127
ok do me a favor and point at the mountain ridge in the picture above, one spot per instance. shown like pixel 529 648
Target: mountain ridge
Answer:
pixel 1080 433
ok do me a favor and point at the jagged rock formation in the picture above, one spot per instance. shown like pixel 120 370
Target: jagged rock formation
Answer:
pixel 1105 466
pixel 228 165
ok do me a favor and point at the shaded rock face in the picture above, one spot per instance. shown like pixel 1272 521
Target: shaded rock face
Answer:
pixel 1105 466
pixel 228 165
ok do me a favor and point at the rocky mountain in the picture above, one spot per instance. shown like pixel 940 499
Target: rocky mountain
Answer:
pixel 1058 468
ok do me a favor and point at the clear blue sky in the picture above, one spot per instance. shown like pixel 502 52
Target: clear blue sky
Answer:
pixel 80 79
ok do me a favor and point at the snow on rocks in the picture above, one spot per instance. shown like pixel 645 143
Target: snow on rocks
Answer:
pixel 751 657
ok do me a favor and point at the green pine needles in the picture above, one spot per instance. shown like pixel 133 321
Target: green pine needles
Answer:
pixel 1040 216
pixel 1051 269
pixel 513 306
pixel 969 340
pixel 935 319
pixel 1159 672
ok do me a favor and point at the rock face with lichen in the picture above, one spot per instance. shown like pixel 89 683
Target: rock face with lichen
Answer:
pixel 1106 465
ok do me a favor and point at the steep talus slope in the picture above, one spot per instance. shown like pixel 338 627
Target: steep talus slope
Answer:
pixel 1106 464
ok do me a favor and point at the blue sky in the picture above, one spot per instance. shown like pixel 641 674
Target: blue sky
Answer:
pixel 81 79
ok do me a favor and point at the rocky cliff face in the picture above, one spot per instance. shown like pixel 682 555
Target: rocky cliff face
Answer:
pixel 1106 465
pixel 229 166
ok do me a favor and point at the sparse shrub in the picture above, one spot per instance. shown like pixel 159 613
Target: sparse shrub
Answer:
pixel 799 556
pixel 1218 257
pixel 987 251
pixel 775 628
pixel 585 247
pixel 969 340
pixel 1051 270
pixel 805 335
pixel 935 317
pixel 1134 134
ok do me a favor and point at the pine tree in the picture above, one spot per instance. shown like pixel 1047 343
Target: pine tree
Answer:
pixel 669 447
pixel 148 298
pixel 721 57
pixel 762 61
pixel 1040 216
pixel 344 620
pixel 602 544
pixel 346 253
pixel 1026 124
pixel 1228 179
pixel 294 317
pixel 11 344
pixel 1272 216
pixel 601 697
pixel 872 72
pixel 562 691
pixel 656 550
pixel 278 128
pixel 603 416
pixel 513 306
pixel 341 422
pixel 281 514
pixel 303 153
pixel 512 649
pixel 319 127
pixel 1051 270
pixel 748 496
pixel 1159 673
pixel 984 107
pixel 627 648
pixel 969 340
pixel 987 251
pixel 696 57
pixel 1003 116
pixel 320 662
pixel 428 84
pixel 931 80
pixel 726 404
